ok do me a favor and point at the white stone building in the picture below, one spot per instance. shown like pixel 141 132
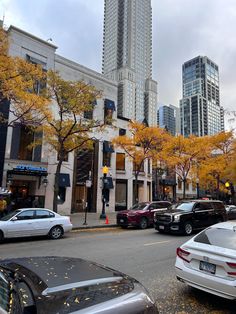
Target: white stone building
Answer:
pixel 31 175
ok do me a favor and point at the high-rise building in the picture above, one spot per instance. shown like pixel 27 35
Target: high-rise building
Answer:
pixel 200 110
pixel 168 117
pixel 127 57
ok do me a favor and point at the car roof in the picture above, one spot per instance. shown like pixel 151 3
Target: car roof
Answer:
pixel 34 208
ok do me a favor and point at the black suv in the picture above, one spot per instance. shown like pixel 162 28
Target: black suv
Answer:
pixel 184 217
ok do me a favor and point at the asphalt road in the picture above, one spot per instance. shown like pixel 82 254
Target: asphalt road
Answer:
pixel 144 254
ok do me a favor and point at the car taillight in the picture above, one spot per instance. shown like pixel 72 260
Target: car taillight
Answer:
pixel 232 265
pixel 182 254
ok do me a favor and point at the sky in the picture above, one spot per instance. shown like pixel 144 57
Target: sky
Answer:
pixel 182 30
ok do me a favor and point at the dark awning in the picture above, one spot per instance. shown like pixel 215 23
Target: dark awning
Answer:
pixel 108 147
pixel 110 104
pixel 109 183
pixel 64 180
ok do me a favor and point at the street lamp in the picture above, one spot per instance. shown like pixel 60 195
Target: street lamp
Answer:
pixel 197 183
pixel 105 171
pixel 163 185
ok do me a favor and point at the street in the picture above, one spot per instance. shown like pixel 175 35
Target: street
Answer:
pixel 144 254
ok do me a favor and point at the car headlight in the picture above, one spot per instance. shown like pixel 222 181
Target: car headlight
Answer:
pixel 176 218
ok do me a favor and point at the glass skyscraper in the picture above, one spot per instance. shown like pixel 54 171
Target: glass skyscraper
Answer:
pixel 200 110
pixel 127 57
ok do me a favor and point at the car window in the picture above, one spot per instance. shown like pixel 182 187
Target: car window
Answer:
pixel 218 205
pixel 138 206
pixel 25 215
pixel 219 237
pixel 203 206
pixel 186 207
pixel 41 214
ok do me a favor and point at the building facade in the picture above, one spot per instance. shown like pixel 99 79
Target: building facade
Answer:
pixel 168 118
pixel 28 174
pixel 200 109
pixel 127 57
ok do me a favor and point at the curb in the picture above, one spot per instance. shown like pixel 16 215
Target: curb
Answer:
pixel 95 227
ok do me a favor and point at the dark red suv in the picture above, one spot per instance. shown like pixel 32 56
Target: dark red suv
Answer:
pixel 140 215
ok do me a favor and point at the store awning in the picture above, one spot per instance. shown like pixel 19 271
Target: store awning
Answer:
pixel 64 180
pixel 108 147
pixel 110 104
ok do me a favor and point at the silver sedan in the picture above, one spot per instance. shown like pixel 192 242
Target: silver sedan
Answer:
pixel 29 222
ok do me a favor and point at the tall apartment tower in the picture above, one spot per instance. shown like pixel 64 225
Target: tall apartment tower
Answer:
pixel 168 118
pixel 200 110
pixel 127 57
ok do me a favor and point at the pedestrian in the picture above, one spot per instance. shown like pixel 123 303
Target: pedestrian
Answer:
pixel 35 203
pixel 3 206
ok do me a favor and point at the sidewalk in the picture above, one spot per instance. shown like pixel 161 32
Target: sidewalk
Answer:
pixel 93 220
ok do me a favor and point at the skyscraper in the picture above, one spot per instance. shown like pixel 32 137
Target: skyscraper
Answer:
pixel 127 57
pixel 168 118
pixel 200 110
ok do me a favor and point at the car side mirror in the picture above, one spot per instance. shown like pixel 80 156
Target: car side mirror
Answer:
pixel 14 218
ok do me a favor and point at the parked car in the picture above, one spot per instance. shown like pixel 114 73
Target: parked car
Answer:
pixel 59 285
pixel 231 211
pixel 185 217
pixel 29 222
pixel 208 260
pixel 141 214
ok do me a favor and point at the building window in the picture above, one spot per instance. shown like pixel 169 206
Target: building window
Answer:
pixel 109 108
pixel 121 195
pixel 120 161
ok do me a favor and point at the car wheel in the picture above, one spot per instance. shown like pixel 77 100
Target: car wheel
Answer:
pixel 188 228
pixel 56 232
pixel 124 227
pixel 143 223
pixel 1 236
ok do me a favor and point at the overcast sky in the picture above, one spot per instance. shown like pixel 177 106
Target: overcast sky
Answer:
pixel 182 29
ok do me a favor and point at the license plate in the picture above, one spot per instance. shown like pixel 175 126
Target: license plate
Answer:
pixel 121 220
pixel 208 267
pixel 161 227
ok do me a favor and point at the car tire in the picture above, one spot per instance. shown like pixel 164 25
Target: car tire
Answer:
pixel 143 223
pixel 56 232
pixel 188 228
pixel 124 227
pixel 1 236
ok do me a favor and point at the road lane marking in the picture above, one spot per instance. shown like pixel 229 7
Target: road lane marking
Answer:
pixel 154 243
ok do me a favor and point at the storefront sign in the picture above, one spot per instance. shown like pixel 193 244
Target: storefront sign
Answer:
pixel 30 168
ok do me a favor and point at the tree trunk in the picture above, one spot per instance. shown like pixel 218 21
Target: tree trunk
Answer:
pixel 136 188
pixel 184 188
pixel 56 186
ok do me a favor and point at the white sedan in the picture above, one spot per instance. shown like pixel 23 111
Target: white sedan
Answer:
pixel 208 260
pixel 27 222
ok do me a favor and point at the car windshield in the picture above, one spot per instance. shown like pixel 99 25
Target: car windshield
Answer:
pixel 138 206
pixel 186 207
pixel 4 292
pixel 9 216
pixel 224 238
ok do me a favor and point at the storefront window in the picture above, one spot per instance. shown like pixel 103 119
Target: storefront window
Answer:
pixel 121 195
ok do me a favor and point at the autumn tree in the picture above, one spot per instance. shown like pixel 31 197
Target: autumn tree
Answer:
pixel 142 143
pixel 65 129
pixel 184 154
pixel 218 167
pixel 18 79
